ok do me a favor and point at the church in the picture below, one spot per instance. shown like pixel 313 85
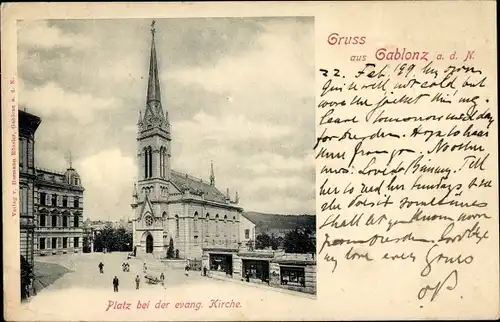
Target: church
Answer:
pixel 170 205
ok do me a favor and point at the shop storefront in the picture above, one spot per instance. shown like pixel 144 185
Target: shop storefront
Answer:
pixel 221 263
pixel 218 261
pixel 255 270
pixel 293 275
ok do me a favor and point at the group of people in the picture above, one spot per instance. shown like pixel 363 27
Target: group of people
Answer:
pixel 116 283
pixel 126 268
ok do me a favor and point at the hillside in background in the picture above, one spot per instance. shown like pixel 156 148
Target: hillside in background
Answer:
pixel 264 222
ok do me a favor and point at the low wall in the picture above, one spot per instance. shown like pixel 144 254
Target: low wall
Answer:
pixel 174 263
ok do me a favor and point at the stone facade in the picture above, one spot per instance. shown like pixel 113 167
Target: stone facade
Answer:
pixel 171 205
pixel 59 212
pixel 28 125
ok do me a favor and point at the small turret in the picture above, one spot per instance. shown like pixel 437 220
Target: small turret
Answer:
pixel 135 194
pixel 71 176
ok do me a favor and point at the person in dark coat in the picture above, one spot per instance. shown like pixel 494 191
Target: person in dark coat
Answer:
pixel 137 281
pixel 101 266
pixel 116 282
pixel 162 279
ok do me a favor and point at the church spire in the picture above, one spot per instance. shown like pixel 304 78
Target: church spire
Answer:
pixel 153 82
pixel 212 175
pixel 154 94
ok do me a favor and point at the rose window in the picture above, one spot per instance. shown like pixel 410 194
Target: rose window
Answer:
pixel 149 221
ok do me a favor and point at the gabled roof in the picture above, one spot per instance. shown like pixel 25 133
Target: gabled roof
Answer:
pixel 264 221
pixel 147 207
pixel 184 181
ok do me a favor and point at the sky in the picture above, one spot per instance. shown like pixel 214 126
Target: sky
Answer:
pixel 238 91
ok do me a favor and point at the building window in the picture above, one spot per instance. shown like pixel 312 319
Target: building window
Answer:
pixel 195 222
pixel 42 243
pixel 75 242
pixel 225 226
pixel 23 153
pixel 54 200
pixel 76 202
pixel 43 198
pixel 149 221
pixel 76 221
pixel 145 163
pixel 176 226
pixel 207 219
pixel 54 243
pixel 196 240
pixel 217 225
pixel 54 220
pixel 65 242
pixel 247 233
pixel 65 221
pixel 24 201
pixel 43 220
pixel 162 160
pixel 150 162
pixel 65 201
pixel 234 226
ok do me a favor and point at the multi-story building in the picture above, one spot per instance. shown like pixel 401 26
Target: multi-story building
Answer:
pixel 59 212
pixel 168 204
pixel 247 232
pixel 28 124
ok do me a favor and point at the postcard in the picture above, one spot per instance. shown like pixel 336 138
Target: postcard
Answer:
pixel 244 161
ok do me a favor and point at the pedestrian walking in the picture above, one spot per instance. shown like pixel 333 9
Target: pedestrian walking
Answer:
pixel 116 282
pixel 137 282
pixel 162 279
pixel 204 271
pixel 145 268
pixel 101 266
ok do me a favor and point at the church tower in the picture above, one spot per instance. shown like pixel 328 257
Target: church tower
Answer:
pixel 153 158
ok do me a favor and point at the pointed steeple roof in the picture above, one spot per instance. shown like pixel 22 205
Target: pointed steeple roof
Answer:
pixel 153 117
pixel 154 94
pixel 212 175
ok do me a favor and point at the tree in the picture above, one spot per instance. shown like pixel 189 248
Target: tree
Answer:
pixel 170 250
pixel 26 276
pixel 113 239
pixel 276 242
pixel 262 241
pixel 86 244
pixel 123 240
pixel 299 241
pixel 250 245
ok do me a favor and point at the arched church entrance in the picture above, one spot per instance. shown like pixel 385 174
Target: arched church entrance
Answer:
pixel 149 244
